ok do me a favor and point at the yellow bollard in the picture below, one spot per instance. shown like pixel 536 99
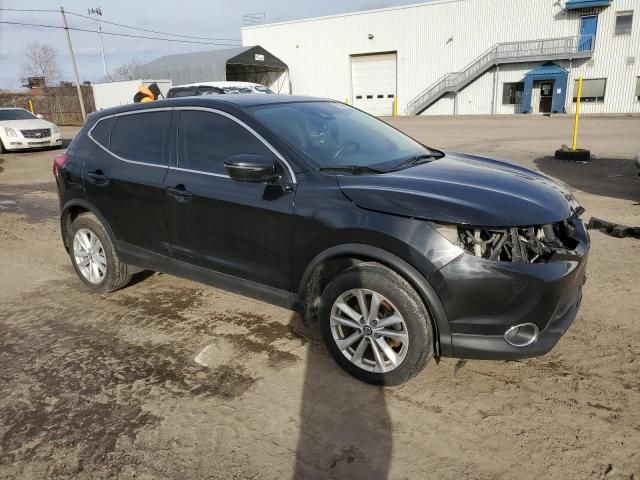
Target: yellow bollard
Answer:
pixel 31 107
pixel 395 106
pixel 346 100
pixel 577 118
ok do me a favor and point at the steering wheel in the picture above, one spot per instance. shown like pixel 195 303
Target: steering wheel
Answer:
pixel 343 147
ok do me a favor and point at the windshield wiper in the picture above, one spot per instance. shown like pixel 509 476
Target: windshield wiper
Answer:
pixel 351 169
pixel 418 159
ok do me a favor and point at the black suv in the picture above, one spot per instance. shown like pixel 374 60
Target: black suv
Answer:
pixel 400 251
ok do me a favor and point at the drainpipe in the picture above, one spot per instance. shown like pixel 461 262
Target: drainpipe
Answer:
pixel 568 100
pixel 494 95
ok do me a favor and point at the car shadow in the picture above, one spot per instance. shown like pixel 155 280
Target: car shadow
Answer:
pixel 345 427
pixel 140 277
pixel 607 177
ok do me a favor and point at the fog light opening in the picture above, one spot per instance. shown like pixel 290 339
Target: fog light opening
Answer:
pixel 522 335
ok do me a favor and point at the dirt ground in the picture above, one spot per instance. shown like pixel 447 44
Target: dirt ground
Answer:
pixel 169 379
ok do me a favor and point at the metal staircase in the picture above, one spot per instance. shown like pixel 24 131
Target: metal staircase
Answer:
pixel 512 52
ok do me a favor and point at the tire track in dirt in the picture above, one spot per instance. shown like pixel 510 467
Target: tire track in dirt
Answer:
pixel 71 379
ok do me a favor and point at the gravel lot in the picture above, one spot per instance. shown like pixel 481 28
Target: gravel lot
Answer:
pixel 173 379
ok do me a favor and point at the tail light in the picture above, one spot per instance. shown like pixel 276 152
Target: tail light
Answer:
pixel 58 163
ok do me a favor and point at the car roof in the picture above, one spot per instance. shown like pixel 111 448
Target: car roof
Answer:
pixel 242 100
pixel 219 84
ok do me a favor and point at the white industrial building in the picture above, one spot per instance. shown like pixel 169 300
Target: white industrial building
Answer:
pixel 466 56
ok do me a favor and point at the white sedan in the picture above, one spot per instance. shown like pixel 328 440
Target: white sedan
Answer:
pixel 21 130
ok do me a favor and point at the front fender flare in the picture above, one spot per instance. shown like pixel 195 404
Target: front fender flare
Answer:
pixel 415 278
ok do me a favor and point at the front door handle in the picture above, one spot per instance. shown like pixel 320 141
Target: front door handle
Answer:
pixel 98 178
pixel 180 194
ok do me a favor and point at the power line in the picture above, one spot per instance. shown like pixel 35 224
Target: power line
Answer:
pixel 123 26
pixel 115 34
pixel 28 10
pixel 156 31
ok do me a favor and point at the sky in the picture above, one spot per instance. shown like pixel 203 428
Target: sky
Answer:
pixel 203 18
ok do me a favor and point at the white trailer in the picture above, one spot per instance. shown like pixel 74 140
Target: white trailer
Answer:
pixel 112 94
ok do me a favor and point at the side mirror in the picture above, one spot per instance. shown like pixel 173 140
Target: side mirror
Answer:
pixel 250 168
pixel 40 116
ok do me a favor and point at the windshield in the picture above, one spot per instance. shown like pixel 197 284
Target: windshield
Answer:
pixel 16 114
pixel 333 134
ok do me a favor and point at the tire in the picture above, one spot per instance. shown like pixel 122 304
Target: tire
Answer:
pixel 398 297
pixel 577 155
pixel 2 149
pixel 110 273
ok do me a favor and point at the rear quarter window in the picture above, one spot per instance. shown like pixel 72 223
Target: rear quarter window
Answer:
pixel 182 92
pixel 141 136
pixel 102 131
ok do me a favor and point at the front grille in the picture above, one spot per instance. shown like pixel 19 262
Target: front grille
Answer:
pixel 36 133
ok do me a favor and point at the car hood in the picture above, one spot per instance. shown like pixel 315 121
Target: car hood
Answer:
pixel 26 124
pixel 464 189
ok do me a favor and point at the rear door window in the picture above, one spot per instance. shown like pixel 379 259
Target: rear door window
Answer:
pixel 141 137
pixel 206 139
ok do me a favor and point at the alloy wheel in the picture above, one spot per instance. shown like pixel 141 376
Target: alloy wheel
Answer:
pixel 89 256
pixel 369 330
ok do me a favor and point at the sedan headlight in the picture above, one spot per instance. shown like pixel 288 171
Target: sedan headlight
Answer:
pixel 54 130
pixel 10 132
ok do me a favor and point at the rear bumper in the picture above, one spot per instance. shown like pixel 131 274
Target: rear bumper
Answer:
pixel 484 299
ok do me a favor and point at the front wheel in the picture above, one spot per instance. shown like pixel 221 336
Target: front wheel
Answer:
pixel 375 325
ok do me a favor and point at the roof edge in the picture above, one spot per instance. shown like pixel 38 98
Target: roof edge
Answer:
pixel 349 14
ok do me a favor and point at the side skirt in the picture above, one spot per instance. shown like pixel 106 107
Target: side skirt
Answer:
pixel 147 260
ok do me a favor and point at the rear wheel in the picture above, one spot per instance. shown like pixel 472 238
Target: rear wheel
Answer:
pixel 94 257
pixel 375 325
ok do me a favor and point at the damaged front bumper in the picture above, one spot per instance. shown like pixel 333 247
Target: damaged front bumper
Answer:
pixel 484 298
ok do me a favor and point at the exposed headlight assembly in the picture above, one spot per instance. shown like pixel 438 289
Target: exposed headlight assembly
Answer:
pixel 10 132
pixel 514 244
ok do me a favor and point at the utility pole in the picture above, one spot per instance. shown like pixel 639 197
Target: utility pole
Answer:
pixel 75 68
pixel 98 12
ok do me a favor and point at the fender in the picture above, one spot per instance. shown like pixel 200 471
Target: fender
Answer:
pixel 78 202
pixel 426 292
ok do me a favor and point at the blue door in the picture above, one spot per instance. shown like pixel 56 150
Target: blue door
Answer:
pixel 588 27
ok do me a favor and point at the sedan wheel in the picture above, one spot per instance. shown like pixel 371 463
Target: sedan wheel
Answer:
pixel 89 256
pixel 369 330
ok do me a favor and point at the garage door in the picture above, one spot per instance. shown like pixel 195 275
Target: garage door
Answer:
pixel 373 82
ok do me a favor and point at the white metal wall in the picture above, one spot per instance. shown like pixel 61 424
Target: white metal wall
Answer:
pixel 432 39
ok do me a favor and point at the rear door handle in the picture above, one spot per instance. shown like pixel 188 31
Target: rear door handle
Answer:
pixel 180 194
pixel 98 178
